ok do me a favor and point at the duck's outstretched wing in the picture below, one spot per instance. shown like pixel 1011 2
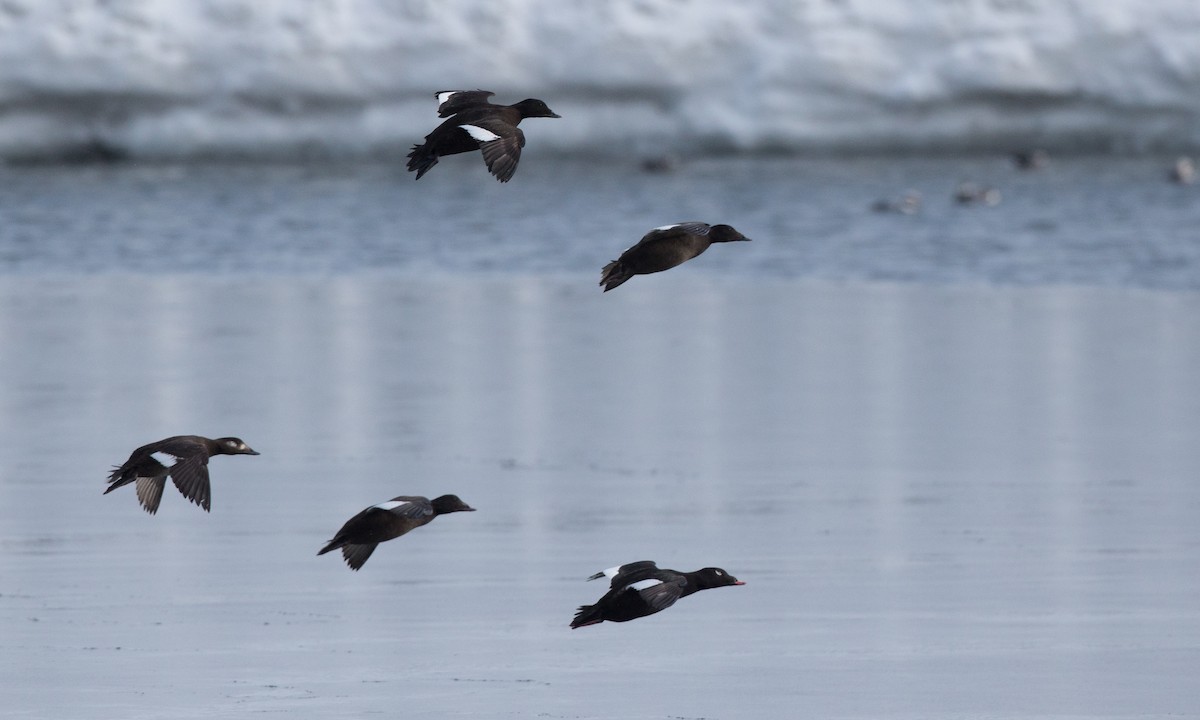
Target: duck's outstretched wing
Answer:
pixel 455 101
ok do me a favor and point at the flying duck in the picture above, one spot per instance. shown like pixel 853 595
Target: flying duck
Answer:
pixel 476 124
pixel 387 521
pixel 641 588
pixel 665 247
pixel 184 458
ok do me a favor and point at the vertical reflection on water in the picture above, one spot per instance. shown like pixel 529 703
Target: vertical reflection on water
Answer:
pixel 988 486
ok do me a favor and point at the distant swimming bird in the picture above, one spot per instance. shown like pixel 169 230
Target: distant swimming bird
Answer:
pixel 387 521
pixel 969 193
pixel 184 458
pixel 476 124
pixel 640 588
pixel 663 248
pixel 1035 159
pixel 664 163
pixel 907 204
pixel 1183 171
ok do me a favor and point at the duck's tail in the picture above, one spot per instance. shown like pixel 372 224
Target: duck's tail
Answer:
pixel 613 275
pixel 586 615
pixel 119 478
pixel 421 159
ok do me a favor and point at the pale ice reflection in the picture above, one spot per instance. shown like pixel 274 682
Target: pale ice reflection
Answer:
pixel 946 502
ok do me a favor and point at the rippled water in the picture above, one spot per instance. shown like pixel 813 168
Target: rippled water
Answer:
pixel 1091 221
pixel 968 494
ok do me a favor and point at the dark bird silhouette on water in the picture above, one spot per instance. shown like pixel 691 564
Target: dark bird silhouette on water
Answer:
pixel 1034 159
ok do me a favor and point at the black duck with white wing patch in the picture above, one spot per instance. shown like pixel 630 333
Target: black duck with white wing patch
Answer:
pixel 475 124
pixel 386 521
pixel 665 247
pixel 641 588
pixel 183 458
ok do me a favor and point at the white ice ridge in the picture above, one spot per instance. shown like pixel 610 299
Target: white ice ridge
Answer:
pixel 187 78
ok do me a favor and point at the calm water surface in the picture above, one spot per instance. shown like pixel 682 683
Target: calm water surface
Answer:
pixel 952 455
pixel 1084 221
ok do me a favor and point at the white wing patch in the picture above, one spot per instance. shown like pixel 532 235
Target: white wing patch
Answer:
pixel 163 458
pixel 390 504
pixel 693 227
pixel 480 134
pixel 641 585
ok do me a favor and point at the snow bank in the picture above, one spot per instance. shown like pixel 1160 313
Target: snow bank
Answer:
pixel 185 78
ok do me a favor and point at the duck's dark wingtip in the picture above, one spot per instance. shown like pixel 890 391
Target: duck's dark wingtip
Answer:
pixel 577 625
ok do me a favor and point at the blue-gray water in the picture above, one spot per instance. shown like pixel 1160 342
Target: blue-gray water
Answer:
pixel 953 455
pixel 1090 221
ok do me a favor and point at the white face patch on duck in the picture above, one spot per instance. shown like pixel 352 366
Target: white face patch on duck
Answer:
pixel 480 134
pixel 390 504
pixel 641 585
pixel 612 571
pixel 442 97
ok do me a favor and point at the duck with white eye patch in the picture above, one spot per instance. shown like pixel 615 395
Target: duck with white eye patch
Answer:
pixel 641 588
pixel 389 520
pixel 476 124
pixel 182 457
pixel 665 247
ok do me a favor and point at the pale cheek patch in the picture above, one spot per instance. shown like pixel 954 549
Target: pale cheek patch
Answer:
pixel 442 97
pixel 165 459
pixel 612 571
pixel 480 134
pixel 390 504
pixel 643 584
